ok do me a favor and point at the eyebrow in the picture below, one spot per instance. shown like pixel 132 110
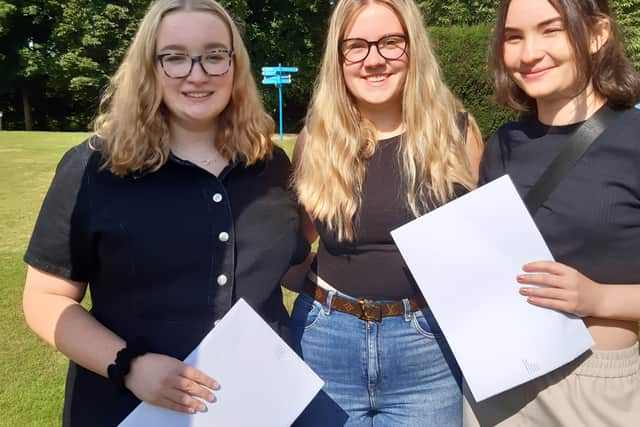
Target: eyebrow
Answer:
pixel 540 25
pixel 209 46
pixel 381 37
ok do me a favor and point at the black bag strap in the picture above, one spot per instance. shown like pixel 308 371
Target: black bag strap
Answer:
pixel 578 143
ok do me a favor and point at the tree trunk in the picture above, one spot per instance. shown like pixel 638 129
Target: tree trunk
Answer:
pixel 26 106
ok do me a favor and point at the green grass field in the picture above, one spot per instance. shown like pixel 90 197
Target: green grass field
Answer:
pixel 31 373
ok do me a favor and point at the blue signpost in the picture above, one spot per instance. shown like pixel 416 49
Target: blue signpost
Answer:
pixel 278 76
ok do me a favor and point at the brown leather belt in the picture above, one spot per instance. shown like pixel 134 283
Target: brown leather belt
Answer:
pixel 365 310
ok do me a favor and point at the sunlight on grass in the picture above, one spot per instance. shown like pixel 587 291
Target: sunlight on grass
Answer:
pixel 32 373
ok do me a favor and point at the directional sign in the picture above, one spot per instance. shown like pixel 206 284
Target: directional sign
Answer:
pixel 278 76
pixel 273 71
pixel 277 80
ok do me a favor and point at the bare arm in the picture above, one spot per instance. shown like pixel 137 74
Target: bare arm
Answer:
pixel 619 302
pixel 566 289
pixel 52 309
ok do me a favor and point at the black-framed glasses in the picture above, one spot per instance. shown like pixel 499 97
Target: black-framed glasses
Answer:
pixel 179 65
pixel 392 46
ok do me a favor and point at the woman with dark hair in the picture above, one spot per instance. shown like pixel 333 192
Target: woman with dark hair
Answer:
pixel 561 63
pixel 177 207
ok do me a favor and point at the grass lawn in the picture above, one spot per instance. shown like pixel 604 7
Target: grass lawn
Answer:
pixel 31 373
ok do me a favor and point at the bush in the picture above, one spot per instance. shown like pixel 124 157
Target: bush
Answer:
pixel 463 56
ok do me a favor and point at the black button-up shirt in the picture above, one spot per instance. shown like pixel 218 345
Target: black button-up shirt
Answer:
pixel 165 254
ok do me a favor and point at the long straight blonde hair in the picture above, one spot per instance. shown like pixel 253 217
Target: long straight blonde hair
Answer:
pixel 133 122
pixel 330 167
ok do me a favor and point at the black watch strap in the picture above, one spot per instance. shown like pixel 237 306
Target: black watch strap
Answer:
pixel 118 370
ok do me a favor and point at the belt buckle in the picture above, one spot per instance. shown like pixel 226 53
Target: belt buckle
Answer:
pixel 370 311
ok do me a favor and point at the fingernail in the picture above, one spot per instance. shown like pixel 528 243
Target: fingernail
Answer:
pixel 192 410
pixel 215 385
pixel 211 397
pixel 202 408
pixel 523 291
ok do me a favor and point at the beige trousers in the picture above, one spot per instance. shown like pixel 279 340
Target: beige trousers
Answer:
pixel 599 389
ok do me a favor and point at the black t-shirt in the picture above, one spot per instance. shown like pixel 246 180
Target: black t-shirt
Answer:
pixel 591 221
pixel 371 265
pixel 165 254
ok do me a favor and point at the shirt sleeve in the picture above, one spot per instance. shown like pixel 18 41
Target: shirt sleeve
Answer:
pixel 284 164
pixel 491 165
pixel 61 243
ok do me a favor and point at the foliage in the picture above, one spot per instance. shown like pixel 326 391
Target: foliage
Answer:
pixel 458 12
pixel 627 13
pixel 462 53
pixel 292 33
pixel 56 56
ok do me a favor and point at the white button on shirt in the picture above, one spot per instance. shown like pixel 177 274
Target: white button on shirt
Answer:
pixel 223 237
pixel 222 280
pixel 217 197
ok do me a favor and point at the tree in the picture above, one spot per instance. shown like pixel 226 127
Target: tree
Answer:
pixel 89 42
pixel 290 32
pixel 627 13
pixel 458 12
pixel 60 54
pixel 25 49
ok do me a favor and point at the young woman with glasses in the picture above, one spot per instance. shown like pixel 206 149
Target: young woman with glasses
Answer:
pixel 177 207
pixel 384 142
pixel 561 63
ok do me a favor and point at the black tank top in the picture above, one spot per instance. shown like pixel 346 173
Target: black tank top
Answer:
pixel 371 265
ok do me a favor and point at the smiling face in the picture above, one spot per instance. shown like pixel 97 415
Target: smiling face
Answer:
pixel 194 102
pixel 538 55
pixel 375 82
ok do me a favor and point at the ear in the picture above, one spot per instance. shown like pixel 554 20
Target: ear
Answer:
pixel 599 35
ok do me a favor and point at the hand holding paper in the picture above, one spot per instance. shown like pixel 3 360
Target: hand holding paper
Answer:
pixel 465 257
pixel 164 381
pixel 262 381
pixel 560 287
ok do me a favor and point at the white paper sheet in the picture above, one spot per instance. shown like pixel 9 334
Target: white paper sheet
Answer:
pixel 262 381
pixel 465 257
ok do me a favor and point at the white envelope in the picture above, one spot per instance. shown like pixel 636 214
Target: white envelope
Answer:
pixel 262 381
pixel 465 257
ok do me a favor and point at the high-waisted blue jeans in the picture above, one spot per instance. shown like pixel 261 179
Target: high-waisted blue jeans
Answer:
pixel 397 372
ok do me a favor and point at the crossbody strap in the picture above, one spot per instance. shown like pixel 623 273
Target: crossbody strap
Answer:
pixel 578 143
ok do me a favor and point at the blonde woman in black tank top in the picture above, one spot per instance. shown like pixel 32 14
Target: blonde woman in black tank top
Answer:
pixel 382 145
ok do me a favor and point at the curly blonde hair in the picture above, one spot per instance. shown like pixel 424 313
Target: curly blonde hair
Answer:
pixel 330 167
pixel 132 122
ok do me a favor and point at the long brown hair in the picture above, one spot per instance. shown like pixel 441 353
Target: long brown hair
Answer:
pixel 132 123
pixel 609 70
pixel 329 172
